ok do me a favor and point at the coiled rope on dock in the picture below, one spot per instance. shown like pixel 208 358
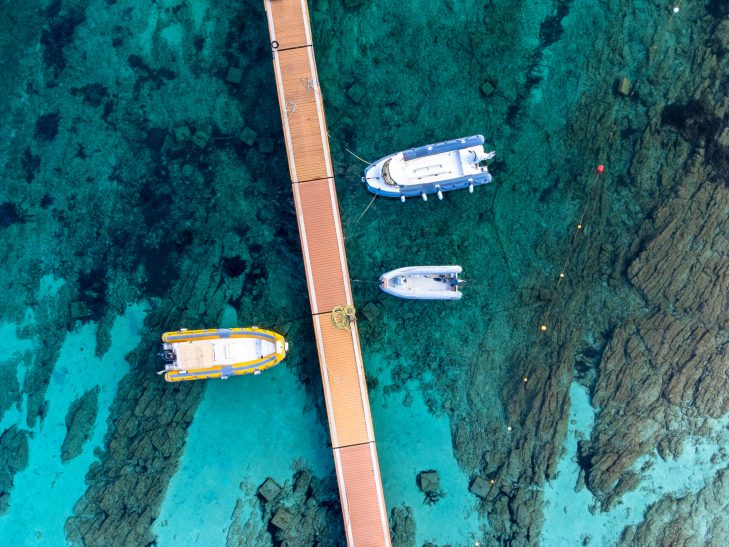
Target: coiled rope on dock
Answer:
pixel 344 316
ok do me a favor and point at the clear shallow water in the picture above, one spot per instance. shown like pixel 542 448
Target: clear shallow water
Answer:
pixel 45 492
pixel 112 207
pixel 568 507
pixel 242 434
pixel 410 439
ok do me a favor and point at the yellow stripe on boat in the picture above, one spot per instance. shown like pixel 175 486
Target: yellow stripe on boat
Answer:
pixel 220 353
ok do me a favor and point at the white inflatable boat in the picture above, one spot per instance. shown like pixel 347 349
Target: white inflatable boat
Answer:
pixel 423 282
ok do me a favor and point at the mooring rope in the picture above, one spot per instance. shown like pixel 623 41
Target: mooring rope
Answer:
pixel 579 228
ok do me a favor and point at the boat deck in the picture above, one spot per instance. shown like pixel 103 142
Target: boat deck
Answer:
pixel 327 275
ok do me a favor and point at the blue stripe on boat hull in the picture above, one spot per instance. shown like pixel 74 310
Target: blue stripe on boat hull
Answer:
pixel 439 148
pixel 222 334
pixel 413 190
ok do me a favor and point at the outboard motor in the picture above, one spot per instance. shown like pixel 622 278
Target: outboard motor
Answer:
pixel 480 158
pixel 167 356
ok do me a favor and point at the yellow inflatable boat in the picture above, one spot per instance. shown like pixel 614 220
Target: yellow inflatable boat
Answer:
pixel 220 353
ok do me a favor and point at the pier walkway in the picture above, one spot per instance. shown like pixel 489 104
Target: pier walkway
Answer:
pixel 327 275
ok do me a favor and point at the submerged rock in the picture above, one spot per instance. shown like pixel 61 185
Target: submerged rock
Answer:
pixel 304 511
pixel 487 88
pixel 182 133
pixel 370 311
pixel 356 93
pixel 269 489
pixel 248 136
pixel 429 481
pixel 234 75
pixel 689 519
pixel 13 458
pixel 80 310
pixel 201 138
pixel 80 420
pixel 668 367
pixel 282 519
pixel 623 86
pixel 480 487
pixel 402 526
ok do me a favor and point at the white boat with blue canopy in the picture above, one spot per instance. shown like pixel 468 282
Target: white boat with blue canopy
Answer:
pixel 431 169
pixel 423 282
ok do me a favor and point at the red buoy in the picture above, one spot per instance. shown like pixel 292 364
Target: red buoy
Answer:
pixel 600 168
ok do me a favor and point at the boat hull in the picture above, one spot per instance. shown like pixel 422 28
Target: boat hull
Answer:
pixel 432 169
pixel 220 353
pixel 423 283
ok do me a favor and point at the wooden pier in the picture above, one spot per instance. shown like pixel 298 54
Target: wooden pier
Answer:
pixel 327 275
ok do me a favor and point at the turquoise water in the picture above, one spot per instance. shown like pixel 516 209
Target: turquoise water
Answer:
pixel 146 189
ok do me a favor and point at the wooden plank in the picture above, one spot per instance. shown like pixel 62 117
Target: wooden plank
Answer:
pixel 302 114
pixel 322 244
pixel 360 491
pixel 345 387
pixel 288 23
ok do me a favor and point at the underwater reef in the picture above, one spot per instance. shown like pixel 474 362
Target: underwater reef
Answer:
pixel 146 189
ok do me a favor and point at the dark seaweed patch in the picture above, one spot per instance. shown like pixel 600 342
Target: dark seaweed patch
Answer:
pixel 242 230
pixel 718 8
pixel 9 215
pixel 547 193
pixel 584 458
pixel 234 266
pixel 696 122
pixel 255 249
pixel 46 201
pixel 182 241
pixel 155 196
pixel 46 127
pixel 551 29
pixel 154 139
pixel 162 267
pixel 693 120
pixel 108 111
pixel 30 164
pixel 145 73
pixel 512 111
pixel 243 38
pixel 628 132
pixel 58 34
pixel 199 43
pixel 92 291
pixel 53 9
pixel 93 94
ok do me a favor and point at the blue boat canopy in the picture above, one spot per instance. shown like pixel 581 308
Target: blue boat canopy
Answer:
pixel 446 146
